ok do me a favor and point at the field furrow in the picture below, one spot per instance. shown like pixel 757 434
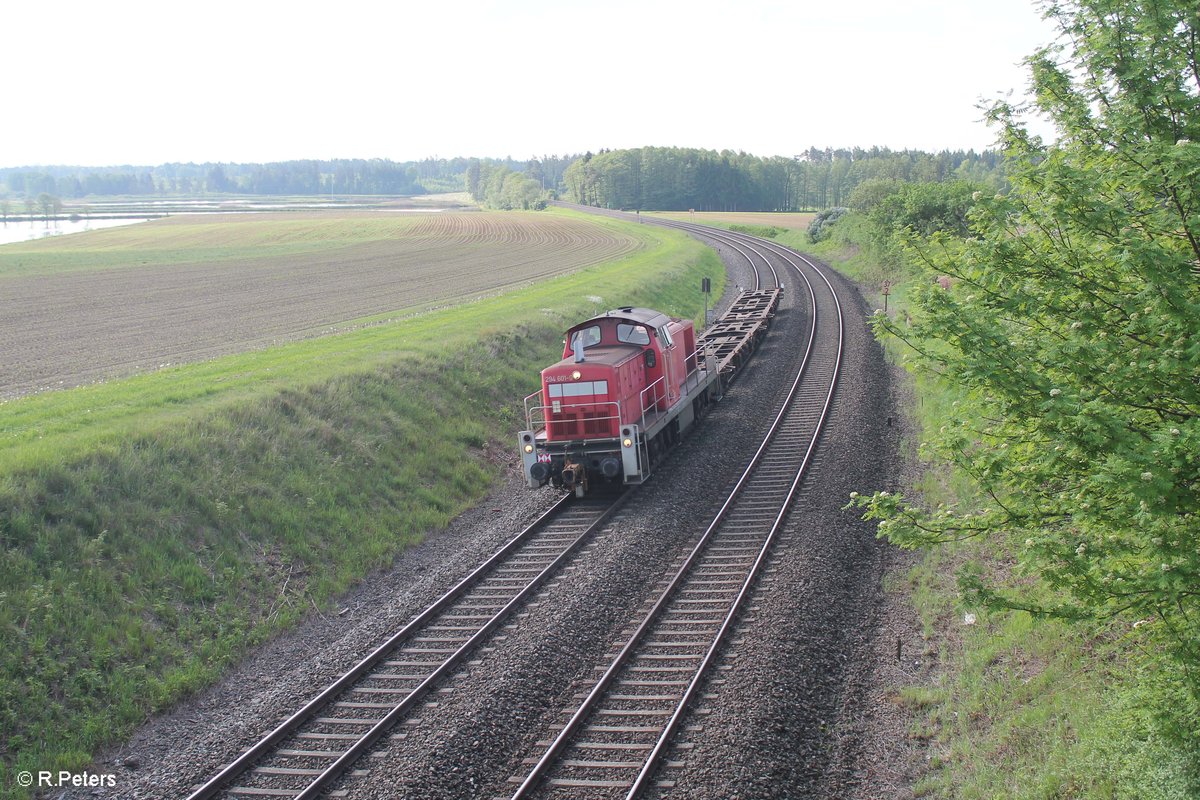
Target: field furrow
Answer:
pixel 101 305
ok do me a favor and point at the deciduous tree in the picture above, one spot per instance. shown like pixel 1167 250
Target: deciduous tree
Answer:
pixel 1073 332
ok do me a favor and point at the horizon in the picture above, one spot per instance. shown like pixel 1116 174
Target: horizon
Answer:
pixel 470 158
pixel 522 78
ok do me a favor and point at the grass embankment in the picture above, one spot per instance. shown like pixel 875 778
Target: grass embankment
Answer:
pixel 766 220
pixel 155 528
pixel 1025 708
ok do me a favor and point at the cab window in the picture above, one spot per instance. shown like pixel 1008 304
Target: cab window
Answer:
pixel 632 334
pixel 587 336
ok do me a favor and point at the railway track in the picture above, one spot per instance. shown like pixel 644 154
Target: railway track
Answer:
pixel 310 750
pixel 616 740
pixel 620 737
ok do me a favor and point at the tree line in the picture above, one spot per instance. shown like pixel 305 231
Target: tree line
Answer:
pixel 497 186
pixel 306 177
pixel 301 177
pixel 677 179
pixel 648 178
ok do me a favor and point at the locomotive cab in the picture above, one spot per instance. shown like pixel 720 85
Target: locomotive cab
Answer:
pixel 635 366
pixel 623 374
pixel 629 385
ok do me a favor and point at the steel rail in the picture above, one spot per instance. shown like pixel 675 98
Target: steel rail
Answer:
pixel 660 747
pixel 731 238
pixel 561 742
pixel 363 668
pixel 737 245
pixel 265 746
pixel 720 234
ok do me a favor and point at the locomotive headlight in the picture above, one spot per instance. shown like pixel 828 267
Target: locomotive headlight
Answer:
pixel 576 375
pixel 528 448
pixel 627 442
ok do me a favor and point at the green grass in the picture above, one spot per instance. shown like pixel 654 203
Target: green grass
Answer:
pixel 155 528
pixel 1029 709
pixel 55 424
pixel 1036 709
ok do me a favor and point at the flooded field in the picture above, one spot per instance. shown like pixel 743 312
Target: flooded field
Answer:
pixel 79 217
pixel 28 230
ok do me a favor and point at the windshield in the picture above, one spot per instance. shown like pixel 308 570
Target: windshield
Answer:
pixel 585 336
pixel 632 334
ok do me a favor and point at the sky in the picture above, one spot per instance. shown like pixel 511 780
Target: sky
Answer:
pixel 145 83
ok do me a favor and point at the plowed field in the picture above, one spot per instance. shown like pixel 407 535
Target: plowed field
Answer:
pixel 113 302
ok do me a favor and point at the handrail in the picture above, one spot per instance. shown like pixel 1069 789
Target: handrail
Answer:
pixel 533 419
pixel 698 356
pixel 642 398
pixel 581 405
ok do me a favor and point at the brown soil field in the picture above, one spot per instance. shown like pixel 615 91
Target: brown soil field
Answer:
pixel 61 329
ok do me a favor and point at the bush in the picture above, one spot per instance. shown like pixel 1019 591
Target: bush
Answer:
pixel 818 229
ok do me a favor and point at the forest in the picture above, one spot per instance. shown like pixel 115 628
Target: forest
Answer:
pixel 646 179
pixel 679 179
pixel 305 177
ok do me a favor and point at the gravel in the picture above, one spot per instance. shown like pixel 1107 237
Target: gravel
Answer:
pixel 801 709
pixel 787 720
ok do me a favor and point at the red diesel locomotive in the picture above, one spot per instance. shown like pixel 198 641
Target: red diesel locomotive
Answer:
pixel 630 382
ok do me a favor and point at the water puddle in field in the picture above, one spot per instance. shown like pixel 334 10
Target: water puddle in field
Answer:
pixel 25 231
pixel 112 213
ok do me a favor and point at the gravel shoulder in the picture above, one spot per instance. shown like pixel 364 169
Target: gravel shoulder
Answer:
pixel 805 702
pixel 875 749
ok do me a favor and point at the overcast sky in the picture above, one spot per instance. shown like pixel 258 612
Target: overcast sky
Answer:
pixel 123 82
